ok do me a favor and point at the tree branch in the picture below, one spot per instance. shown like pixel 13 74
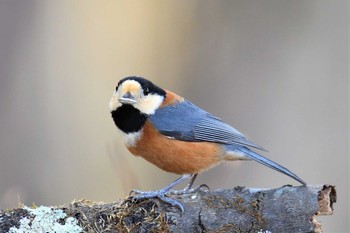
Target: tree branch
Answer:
pixel 285 209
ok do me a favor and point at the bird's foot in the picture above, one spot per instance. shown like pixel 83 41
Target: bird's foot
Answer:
pixel 188 190
pixel 160 194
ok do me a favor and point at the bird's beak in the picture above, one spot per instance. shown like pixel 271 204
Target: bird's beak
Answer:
pixel 127 98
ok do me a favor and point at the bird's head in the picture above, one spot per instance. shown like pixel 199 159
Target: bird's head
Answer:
pixel 139 93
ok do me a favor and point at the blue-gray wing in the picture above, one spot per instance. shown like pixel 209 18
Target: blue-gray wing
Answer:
pixel 187 122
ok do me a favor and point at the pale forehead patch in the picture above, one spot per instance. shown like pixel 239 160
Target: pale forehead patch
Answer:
pixel 147 104
pixel 131 86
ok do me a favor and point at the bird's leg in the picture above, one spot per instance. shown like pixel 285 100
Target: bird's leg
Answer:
pixel 188 189
pixel 163 190
pixel 161 193
pixel 189 186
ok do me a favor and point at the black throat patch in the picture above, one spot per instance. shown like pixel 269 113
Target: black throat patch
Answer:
pixel 128 119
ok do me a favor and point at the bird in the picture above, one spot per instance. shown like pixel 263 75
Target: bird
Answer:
pixel 177 136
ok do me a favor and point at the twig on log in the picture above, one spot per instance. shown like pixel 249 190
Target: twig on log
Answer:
pixel 285 209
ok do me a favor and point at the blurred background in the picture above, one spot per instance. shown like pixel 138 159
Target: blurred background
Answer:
pixel 276 70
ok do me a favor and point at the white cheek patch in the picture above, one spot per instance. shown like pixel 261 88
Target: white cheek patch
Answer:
pixel 149 104
pixel 130 139
pixel 114 102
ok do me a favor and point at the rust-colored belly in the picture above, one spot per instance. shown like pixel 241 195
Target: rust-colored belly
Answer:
pixel 176 156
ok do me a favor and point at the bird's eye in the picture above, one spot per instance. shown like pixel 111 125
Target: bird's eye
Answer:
pixel 146 91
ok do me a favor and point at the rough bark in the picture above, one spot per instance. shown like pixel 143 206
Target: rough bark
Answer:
pixel 285 209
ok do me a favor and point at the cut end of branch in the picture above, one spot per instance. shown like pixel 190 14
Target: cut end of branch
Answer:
pixel 326 198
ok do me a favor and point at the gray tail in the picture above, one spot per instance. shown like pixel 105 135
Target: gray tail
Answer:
pixel 269 163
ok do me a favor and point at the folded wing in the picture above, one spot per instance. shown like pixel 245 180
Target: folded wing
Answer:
pixel 187 122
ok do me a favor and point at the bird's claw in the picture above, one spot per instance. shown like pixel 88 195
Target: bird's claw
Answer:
pixel 137 192
pixel 162 195
pixel 157 194
pixel 172 202
pixel 188 190
pixel 203 186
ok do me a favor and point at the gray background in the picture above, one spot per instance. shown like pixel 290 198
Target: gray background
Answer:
pixel 275 69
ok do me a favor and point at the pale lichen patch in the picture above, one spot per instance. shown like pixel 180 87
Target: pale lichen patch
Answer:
pixel 46 219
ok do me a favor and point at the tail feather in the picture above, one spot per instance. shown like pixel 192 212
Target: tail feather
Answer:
pixel 269 163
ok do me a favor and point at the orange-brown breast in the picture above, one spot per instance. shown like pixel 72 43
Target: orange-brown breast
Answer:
pixel 176 156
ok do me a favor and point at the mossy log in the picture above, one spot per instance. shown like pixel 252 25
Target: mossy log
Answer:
pixel 285 209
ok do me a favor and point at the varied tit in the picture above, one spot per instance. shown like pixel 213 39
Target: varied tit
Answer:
pixel 176 135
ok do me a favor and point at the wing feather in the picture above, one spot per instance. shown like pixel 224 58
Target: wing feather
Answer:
pixel 187 122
